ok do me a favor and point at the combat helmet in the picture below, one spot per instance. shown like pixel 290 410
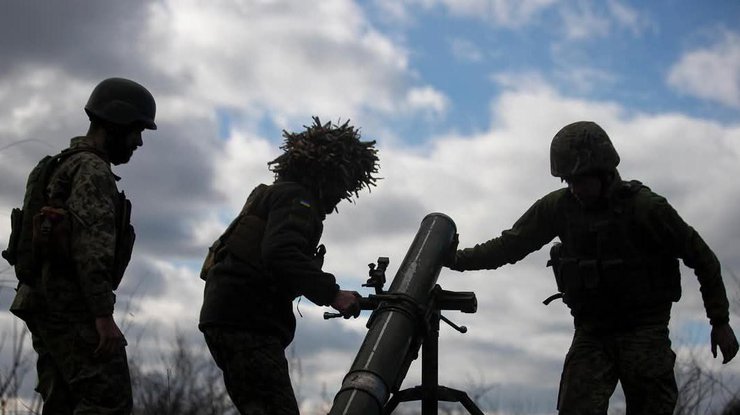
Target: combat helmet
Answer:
pixel 329 159
pixel 121 101
pixel 582 147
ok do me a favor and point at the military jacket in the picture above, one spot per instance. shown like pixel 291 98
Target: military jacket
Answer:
pixel 84 283
pixel 652 227
pixel 267 260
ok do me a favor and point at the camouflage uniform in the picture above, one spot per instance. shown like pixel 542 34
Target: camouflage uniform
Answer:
pixel 620 313
pixel 74 289
pixel 255 370
pixel 641 359
pixel 264 260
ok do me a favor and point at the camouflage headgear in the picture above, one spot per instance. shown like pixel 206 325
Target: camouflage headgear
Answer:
pixel 329 158
pixel 582 147
pixel 122 102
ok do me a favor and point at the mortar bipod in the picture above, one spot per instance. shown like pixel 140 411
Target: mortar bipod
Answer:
pixel 430 392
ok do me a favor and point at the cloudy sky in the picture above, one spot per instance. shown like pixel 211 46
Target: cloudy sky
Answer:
pixel 463 98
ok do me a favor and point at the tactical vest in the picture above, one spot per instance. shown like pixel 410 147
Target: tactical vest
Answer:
pixel 40 229
pixel 243 237
pixel 608 262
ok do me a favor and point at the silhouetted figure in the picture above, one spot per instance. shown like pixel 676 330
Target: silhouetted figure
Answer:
pixel 617 269
pixel 70 246
pixel 270 255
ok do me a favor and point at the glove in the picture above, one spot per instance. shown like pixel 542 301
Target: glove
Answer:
pixel 450 259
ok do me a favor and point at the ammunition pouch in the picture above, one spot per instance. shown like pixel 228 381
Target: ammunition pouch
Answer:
pixel 627 282
pixel 16 223
pixel 578 280
pixel 19 251
pixel 26 302
pixel 124 249
pixel 125 238
pixel 642 281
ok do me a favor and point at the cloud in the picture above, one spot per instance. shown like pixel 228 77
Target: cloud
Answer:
pixel 711 73
pixel 393 11
pixel 511 14
pixel 427 98
pixel 628 17
pixel 108 33
pixel 229 75
pixel 485 181
pixel 588 21
pixel 466 50
pixel 278 59
pixel 506 13
pixel 585 80
pixel 582 21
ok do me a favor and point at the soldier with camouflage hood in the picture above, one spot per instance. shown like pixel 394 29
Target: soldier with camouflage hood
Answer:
pixel 270 255
pixel 81 243
pixel 616 267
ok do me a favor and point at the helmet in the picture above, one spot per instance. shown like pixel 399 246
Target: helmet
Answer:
pixel 329 158
pixel 582 147
pixel 123 102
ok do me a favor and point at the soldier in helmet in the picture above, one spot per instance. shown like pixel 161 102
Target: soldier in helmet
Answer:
pixel 617 269
pixel 270 255
pixel 72 243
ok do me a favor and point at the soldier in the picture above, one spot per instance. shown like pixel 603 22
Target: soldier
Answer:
pixel 270 255
pixel 617 269
pixel 70 246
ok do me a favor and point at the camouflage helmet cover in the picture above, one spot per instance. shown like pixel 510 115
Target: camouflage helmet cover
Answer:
pixel 581 147
pixel 123 102
pixel 329 158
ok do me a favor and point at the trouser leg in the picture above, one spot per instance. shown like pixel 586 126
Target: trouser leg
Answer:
pixel 646 364
pixel 255 371
pixel 589 377
pixel 93 385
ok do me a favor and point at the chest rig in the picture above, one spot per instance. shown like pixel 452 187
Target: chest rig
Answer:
pixel 607 261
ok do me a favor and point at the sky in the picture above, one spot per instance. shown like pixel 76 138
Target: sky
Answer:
pixel 463 99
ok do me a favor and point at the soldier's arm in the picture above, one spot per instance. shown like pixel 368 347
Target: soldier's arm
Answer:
pixel 91 203
pixel 684 242
pixel 533 230
pixel 290 233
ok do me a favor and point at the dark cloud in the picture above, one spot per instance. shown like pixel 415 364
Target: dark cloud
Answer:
pixel 170 182
pixel 20 153
pixel 381 216
pixel 84 37
pixel 142 279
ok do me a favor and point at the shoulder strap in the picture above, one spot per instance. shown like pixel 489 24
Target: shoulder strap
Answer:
pixel 53 162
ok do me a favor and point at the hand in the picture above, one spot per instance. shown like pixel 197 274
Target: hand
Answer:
pixel 347 303
pixel 111 338
pixel 723 336
pixel 450 259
